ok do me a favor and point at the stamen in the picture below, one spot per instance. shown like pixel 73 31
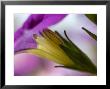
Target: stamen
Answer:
pixel 35 36
pixel 66 36
pixel 54 37
pixel 90 33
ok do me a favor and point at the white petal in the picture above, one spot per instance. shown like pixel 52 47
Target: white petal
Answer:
pixel 73 23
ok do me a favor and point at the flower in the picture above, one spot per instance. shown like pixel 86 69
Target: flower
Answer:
pixel 48 47
pixel 54 47
pixel 72 23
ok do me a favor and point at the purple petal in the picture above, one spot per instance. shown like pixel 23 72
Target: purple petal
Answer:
pixel 23 37
pixel 24 64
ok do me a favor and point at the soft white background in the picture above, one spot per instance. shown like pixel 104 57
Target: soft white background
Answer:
pixel 56 80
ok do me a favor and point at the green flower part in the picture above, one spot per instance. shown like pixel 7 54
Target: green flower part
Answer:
pixel 92 17
pixel 52 46
pixel 91 34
